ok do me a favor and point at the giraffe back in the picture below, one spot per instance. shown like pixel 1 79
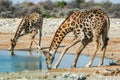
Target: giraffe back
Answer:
pixel 89 24
pixel 32 21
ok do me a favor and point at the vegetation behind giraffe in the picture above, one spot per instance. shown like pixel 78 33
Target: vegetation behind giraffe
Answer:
pixel 55 9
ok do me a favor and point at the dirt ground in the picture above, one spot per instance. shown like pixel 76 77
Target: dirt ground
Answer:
pixel 112 51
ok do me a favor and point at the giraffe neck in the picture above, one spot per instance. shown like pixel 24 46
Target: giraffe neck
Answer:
pixel 62 31
pixel 19 30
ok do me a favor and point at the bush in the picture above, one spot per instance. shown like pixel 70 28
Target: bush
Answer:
pixel 20 10
pixel 46 14
pixel 48 5
pixel 6 8
pixel 35 8
pixel 25 8
pixel 116 14
pixel 61 4
pixel 5 4
pixel 54 9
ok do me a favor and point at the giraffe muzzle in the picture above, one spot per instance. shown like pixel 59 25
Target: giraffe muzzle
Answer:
pixel 11 51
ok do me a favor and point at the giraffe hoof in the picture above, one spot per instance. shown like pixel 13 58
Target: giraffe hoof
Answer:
pixel 9 49
pixel 99 65
pixel 12 53
pixel 38 47
pixel 73 67
pixel 54 67
pixel 29 48
pixel 88 66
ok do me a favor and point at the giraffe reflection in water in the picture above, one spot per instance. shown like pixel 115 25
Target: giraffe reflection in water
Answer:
pixel 33 61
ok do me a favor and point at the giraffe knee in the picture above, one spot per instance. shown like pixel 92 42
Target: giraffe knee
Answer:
pixel 106 40
pixel 40 34
pixel 105 43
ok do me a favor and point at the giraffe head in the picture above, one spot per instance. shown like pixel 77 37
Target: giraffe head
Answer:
pixel 49 59
pixel 12 45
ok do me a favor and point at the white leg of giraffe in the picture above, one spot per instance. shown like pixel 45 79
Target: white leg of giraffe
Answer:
pixel 33 39
pixel 97 45
pixel 65 49
pixel 82 46
pixel 102 58
pixel 104 45
pixel 40 35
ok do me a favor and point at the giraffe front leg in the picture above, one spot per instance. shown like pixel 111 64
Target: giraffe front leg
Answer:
pixel 31 44
pixel 40 35
pixel 65 49
pixel 59 60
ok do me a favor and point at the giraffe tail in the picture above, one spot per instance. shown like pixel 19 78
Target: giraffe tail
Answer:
pixel 106 32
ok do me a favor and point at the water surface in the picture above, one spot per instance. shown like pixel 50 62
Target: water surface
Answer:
pixel 24 60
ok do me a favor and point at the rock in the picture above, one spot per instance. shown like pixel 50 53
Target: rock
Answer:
pixel 118 62
pixel 72 76
pixel 66 75
pixel 1 78
pixel 83 76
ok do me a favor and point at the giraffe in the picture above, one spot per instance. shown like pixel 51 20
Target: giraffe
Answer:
pixel 31 23
pixel 87 26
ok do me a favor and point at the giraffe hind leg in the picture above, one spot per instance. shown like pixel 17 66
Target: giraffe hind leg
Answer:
pixel 104 45
pixel 80 49
pixel 33 40
pixel 97 45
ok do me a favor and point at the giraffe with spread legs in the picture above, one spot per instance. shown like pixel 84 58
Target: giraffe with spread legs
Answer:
pixel 31 23
pixel 87 26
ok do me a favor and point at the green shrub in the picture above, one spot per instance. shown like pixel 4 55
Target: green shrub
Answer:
pixel 61 4
pixel 46 15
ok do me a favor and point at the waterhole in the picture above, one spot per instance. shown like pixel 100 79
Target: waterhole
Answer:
pixel 24 60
